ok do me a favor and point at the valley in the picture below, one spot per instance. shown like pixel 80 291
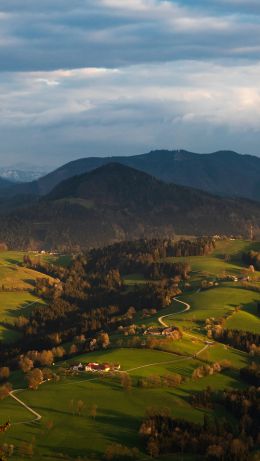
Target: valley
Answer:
pixel 129 230
pixel 86 416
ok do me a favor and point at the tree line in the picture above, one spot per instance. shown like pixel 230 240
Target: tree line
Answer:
pixel 215 439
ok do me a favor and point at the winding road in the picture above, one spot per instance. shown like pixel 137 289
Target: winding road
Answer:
pixel 38 417
pixel 187 308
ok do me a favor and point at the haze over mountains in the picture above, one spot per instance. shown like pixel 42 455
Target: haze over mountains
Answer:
pixel 224 173
pixel 116 202
pixel 22 173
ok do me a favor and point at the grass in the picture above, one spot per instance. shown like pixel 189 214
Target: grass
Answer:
pixel 11 410
pixel 13 304
pixel 227 257
pixel 235 248
pixel 220 352
pixel 132 358
pixel 13 258
pixel 119 413
pixel 16 285
pixel 18 278
pixel 245 319
pixel 217 302
pixel 134 279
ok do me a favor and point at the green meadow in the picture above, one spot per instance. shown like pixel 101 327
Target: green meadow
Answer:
pixel 63 434
pixel 119 413
pixel 217 302
pixel 12 305
pixel 16 297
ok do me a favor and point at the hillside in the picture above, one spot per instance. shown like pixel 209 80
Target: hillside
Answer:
pixel 115 202
pixel 223 173
pixel 184 373
pixel 4 184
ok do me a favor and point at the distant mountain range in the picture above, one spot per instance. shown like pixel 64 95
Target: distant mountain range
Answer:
pixel 116 202
pixel 22 173
pixel 224 173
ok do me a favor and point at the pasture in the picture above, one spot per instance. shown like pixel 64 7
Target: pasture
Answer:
pixel 118 413
pixel 16 297
pixel 218 302
pixel 109 412
pixel 13 304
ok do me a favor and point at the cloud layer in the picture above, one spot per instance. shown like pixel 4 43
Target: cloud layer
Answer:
pixel 123 76
pixel 110 33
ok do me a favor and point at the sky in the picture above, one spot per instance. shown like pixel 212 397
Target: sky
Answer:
pixel 84 78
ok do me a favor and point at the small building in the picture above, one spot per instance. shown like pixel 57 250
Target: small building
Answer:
pixel 98 367
pixel 168 331
pixel 92 366
pixel 105 367
pixel 153 331
pixel 78 367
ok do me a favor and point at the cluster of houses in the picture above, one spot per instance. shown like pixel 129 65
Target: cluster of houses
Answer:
pixel 95 367
pixel 234 278
pixel 161 331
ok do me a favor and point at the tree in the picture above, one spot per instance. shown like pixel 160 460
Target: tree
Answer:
pixel 6 451
pixel 5 390
pixel 153 448
pixel 4 373
pixel 45 358
pixel 80 406
pixel 104 340
pixel 126 381
pixel 238 449
pixel 49 425
pixel 35 378
pixel 26 450
pixel 58 352
pixel 73 349
pixel 25 364
pixel 93 411
pixel 47 374
pixel 116 451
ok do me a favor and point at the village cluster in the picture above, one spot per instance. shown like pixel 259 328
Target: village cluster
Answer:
pixel 172 332
pixel 95 367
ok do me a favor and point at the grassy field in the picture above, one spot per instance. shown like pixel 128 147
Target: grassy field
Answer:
pixel 62 433
pixel 119 413
pixel 217 302
pixel 11 258
pixel 246 318
pixel 13 304
pixel 16 284
pixel 134 279
pixel 226 258
pixel 138 361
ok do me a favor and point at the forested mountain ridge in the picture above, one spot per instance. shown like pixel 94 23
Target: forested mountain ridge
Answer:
pixel 116 202
pixel 224 173
pixel 4 183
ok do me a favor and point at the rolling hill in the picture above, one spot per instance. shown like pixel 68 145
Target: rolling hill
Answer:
pixel 222 173
pixel 116 202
